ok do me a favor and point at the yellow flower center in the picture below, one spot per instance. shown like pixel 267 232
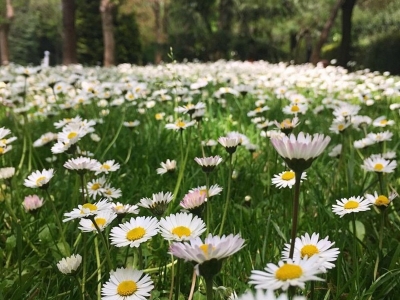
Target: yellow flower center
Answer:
pixel 71 135
pixel 100 222
pixel 40 181
pixel 351 204
pixel 203 192
pixel 309 250
pixel 126 288
pixel 341 127
pixel 135 233
pixel 286 123
pixel 295 108
pixel 383 122
pixel 89 206
pixel 258 109
pixel 95 186
pixel 382 200
pixel 181 231
pixel 288 175
pixel 105 166
pixel 1 150
pixel 180 124
pixel 378 167
pixel 4 141
pixel 159 116
pixel 118 207
pixel 288 271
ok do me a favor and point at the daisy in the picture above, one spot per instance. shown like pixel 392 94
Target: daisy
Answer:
pixel 266 295
pixel 380 200
pixel 181 227
pixel 209 163
pixel 87 209
pixel 286 179
pixel 212 190
pixel 353 204
pixel 102 219
pixel 365 142
pixel 346 110
pixel 299 152
pixel 132 124
pixel 307 246
pixel 122 209
pixel 242 138
pixel 336 151
pixel 180 125
pixel 379 164
pixel 294 272
pixel 257 110
pixel 3 133
pixel 69 265
pixel 39 179
pixel 111 192
pixel 168 167
pixel 359 121
pixel 6 173
pixel 382 122
pixel 108 166
pixel 190 108
pixel 287 125
pixel 380 137
pixel 295 108
pixel 193 202
pixel 127 284
pixel 45 139
pixel 5 149
pixel 134 232
pixel 32 202
pixel 82 164
pixel 230 144
pixel 96 187
pixel 339 125
pixel 158 203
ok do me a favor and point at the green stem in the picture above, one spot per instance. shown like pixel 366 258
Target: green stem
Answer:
pixel 381 183
pixel 201 140
pixel 96 248
pixel 379 243
pixel 103 240
pixel 82 177
pixel 171 291
pixel 84 259
pixel 177 284
pixel 228 194
pixel 209 288
pixel 115 136
pixel 355 256
pixel 79 285
pixel 208 209
pixel 295 212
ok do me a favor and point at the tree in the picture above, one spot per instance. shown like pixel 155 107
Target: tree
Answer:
pixel 4 30
pixel 107 21
pixel 345 44
pixel 69 33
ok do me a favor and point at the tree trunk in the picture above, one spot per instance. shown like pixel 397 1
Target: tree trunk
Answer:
pixel 316 53
pixel 69 33
pixel 159 29
pixel 4 30
pixel 345 44
pixel 106 10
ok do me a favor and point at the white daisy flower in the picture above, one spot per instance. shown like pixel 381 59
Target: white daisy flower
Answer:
pixel 365 142
pixel 382 121
pixel 286 179
pixel 111 192
pixel 127 284
pixel 346 110
pixel 339 125
pixel 96 186
pixel 294 272
pixel 180 125
pixel 134 232
pixel 158 203
pixel 6 173
pixel 287 124
pixel 121 209
pixel 380 137
pixel 108 166
pixel 3 141
pixel 45 139
pixel 336 151
pixel 132 124
pixel 87 209
pixel 295 108
pixel 380 200
pixel 69 265
pixel 181 227
pixel 168 166
pixel 230 144
pixel 102 219
pixel 379 164
pixel 208 163
pixel 266 295
pixel 39 179
pixel 306 246
pixel 212 191
pixel 353 204
pixel 82 164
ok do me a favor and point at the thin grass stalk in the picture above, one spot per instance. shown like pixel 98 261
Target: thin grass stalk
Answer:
pixel 295 212
pixel 178 281
pixel 228 194
pixel 355 256
pixel 103 240
pixel 96 249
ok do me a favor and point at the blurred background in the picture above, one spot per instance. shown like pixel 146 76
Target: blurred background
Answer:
pixel 353 33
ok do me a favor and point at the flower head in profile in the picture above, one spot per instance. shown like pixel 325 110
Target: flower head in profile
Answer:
pixel 108 166
pixel 353 204
pixel 69 265
pixel 127 284
pixel 82 164
pixel 292 272
pixel 266 295
pixel 336 151
pixel 286 179
pixel 6 173
pixel 287 125
pixel 382 121
pixel 39 179
pixel 181 227
pixel 134 232
pixel 380 201
pixel 123 209
pixel 88 209
pixel 158 203
pixel 379 164
pixel 209 163
pixel 102 220
pixel 180 125
pixel 168 167
pixel 32 203
pixel 230 143
pixel 299 152
pixel 4 142
pixel 306 247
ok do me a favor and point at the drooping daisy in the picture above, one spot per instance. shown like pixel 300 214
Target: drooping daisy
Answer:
pixel 108 166
pixel 102 219
pixel 82 164
pixel 168 167
pixel 181 227
pixel 306 246
pixel 123 209
pixel 299 152
pixel 134 232
pixel 6 173
pixel 379 164
pixel 353 204
pixel 380 200
pixel 127 284
pixel 180 125
pixel 365 142
pixel 158 203
pixel 32 202
pixel 209 163
pixel 193 202
pixel 87 209
pixel 230 144
pixel 266 295
pixel 286 179
pixel 69 265
pixel 346 110
pixel 287 273
pixel 39 179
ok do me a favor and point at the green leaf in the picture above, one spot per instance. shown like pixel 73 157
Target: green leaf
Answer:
pixel 11 242
pixel 360 229
pixel 199 296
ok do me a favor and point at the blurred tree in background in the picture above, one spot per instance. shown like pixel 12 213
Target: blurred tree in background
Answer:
pixel 364 31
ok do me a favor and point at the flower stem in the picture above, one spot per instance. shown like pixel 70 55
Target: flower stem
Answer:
pixel 177 283
pixel 192 285
pixel 296 201
pixel 103 240
pixel 380 243
pixel 171 291
pixel 208 209
pixel 209 288
pixel 227 195
pixel 96 247
pixel 355 256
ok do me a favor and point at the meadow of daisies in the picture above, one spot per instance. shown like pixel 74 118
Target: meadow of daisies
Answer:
pixel 227 180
